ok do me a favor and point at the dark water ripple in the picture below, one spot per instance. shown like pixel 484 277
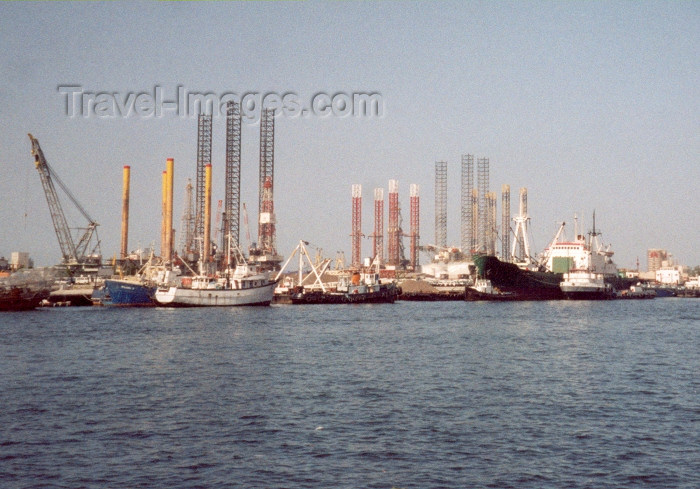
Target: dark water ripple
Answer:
pixel 410 395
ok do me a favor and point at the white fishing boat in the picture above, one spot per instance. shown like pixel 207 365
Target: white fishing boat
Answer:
pixel 244 285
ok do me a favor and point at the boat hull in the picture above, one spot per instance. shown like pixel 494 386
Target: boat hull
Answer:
pixel 664 291
pixel 22 298
pixel 378 294
pixel 126 293
pixel 183 297
pixel 579 293
pixel 585 285
pixel 522 284
pixel 472 294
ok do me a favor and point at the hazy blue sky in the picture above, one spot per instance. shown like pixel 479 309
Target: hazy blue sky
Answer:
pixel 590 105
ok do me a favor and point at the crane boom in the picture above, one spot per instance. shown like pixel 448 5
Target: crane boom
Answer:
pixel 72 254
pixel 245 222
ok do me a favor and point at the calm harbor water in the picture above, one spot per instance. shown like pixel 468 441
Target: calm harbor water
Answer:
pixel 409 395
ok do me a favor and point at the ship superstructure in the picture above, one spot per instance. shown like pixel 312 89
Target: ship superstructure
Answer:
pixel 582 253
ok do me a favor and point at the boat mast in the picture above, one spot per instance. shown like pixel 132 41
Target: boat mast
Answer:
pixel 301 263
pixel 228 253
pixel 594 236
pixel 521 241
pixel 200 262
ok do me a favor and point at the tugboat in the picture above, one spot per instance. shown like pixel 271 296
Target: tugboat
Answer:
pixel 359 288
pixel 352 287
pixel 483 290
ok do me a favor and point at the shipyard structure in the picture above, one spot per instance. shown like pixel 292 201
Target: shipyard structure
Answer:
pixel 200 245
pixel 396 256
pixel 208 267
pixel 480 229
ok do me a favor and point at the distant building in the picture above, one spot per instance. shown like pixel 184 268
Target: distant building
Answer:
pixel 655 259
pixel 670 275
pixel 649 276
pixel 693 283
pixel 20 259
pixel 623 272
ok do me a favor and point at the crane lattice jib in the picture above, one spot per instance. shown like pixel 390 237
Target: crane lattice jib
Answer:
pixel 60 224
pixel 71 253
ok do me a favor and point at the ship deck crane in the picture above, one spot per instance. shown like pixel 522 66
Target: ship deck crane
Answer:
pixel 74 254
pixel 548 250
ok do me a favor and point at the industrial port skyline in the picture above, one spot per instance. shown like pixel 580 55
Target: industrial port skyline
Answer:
pixel 589 106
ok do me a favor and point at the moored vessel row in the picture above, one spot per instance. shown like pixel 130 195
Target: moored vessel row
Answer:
pixel 580 269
